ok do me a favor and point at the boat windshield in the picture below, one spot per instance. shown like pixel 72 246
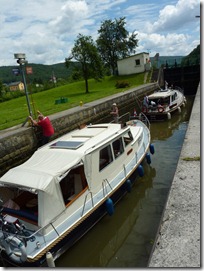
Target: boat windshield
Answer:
pixel 159 101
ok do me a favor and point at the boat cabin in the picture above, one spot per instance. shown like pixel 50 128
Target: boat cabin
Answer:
pixel 59 173
pixel 162 97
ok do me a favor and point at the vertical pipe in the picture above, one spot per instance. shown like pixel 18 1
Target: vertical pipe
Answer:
pixel 26 92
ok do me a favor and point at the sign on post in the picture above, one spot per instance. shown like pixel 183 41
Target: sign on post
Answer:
pixel 16 71
pixel 29 70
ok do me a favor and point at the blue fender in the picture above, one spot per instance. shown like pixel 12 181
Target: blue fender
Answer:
pixel 148 158
pixel 151 148
pixel 140 170
pixel 109 206
pixel 128 185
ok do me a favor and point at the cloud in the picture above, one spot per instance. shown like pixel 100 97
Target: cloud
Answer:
pixel 71 19
pixel 174 17
pixel 45 30
pixel 167 29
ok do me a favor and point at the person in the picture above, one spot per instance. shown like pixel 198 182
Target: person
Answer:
pixel 166 85
pixel 152 103
pixel 146 101
pixel 115 113
pixel 46 125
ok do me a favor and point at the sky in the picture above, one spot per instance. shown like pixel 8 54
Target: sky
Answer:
pixel 45 30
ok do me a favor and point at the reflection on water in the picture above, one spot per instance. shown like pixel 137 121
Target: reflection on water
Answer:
pixel 126 238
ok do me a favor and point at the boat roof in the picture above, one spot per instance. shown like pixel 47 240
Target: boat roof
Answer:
pixel 58 156
pixel 162 94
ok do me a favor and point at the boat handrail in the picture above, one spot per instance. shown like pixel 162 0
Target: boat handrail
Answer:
pixel 142 118
pixel 105 187
pixel 85 202
pixel 35 232
pixel 122 116
pixel 20 234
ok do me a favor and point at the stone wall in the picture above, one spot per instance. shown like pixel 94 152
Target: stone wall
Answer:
pixel 18 143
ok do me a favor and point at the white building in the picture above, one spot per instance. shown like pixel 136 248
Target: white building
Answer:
pixel 134 64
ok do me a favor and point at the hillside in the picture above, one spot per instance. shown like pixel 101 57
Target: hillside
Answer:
pixel 193 58
pixel 43 73
pixel 162 60
pixel 40 72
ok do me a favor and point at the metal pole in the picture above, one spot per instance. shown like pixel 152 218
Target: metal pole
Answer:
pixel 26 92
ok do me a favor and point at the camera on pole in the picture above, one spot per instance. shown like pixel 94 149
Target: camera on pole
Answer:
pixel 22 61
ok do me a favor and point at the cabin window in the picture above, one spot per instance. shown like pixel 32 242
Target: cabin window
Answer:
pixel 174 97
pixel 160 101
pixel 164 101
pixel 137 62
pixel 128 138
pixel 118 148
pixel 105 157
pixel 73 183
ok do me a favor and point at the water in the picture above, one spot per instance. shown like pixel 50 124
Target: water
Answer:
pixel 126 238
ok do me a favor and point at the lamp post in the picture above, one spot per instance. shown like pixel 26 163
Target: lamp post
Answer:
pixel 21 60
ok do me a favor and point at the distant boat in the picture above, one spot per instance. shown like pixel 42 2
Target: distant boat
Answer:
pixel 66 187
pixel 162 103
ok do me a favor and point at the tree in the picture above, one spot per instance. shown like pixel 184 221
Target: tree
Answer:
pixel 1 89
pixel 193 58
pixel 114 42
pixel 85 52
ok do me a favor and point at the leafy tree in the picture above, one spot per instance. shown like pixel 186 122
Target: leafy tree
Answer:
pixel 85 52
pixel 193 58
pixel 1 88
pixel 114 42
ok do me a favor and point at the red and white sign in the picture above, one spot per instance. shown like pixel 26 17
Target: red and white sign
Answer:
pixel 29 70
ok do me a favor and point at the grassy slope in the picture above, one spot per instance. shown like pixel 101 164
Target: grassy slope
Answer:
pixel 15 111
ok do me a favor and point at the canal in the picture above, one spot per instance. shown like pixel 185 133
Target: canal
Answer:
pixel 126 238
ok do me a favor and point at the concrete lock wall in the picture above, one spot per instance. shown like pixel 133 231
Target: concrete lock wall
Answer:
pixel 17 144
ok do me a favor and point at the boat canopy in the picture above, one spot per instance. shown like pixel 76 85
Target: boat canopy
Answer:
pixel 49 164
pixel 40 170
pixel 42 173
pixel 161 94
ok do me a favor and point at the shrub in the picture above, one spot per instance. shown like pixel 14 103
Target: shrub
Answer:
pixel 122 84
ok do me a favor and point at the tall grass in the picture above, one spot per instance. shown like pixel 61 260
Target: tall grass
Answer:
pixel 15 111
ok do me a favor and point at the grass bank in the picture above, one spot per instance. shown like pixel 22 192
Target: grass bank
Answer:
pixel 15 112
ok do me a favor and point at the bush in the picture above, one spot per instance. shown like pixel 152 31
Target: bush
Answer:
pixel 122 84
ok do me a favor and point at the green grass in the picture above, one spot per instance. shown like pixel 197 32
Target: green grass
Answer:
pixel 15 111
pixel 196 158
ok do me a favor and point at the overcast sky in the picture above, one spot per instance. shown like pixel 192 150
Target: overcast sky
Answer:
pixel 45 30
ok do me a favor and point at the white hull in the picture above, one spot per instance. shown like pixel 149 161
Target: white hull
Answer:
pixel 79 157
pixel 163 103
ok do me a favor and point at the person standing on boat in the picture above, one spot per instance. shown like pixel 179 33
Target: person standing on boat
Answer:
pixel 46 125
pixel 166 85
pixel 146 101
pixel 115 113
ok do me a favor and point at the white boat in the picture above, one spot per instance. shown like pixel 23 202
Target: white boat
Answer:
pixel 162 103
pixel 58 194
